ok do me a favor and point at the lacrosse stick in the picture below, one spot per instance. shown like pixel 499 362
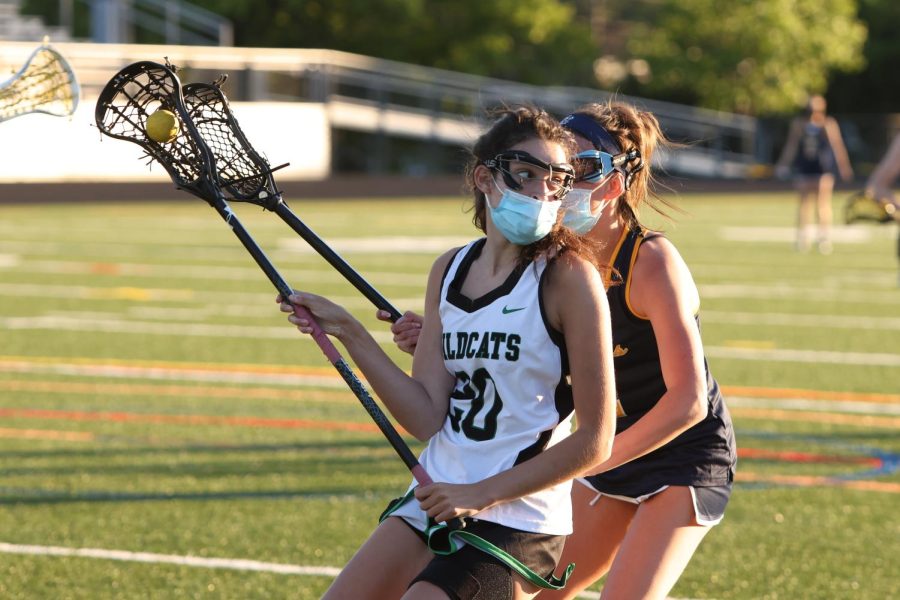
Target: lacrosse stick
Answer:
pixel 247 177
pixel 861 206
pixel 46 84
pixel 123 107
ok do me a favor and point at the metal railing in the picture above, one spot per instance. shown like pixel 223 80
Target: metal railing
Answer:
pixel 169 21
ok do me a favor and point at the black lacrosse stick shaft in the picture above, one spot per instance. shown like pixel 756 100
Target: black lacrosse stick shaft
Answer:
pixel 335 260
pixel 377 415
pixel 245 176
pixel 387 429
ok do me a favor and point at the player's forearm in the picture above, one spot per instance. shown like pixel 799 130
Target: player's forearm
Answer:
pixel 557 464
pixel 673 415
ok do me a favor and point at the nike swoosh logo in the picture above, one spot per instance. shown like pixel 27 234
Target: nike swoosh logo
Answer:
pixel 619 351
pixel 507 310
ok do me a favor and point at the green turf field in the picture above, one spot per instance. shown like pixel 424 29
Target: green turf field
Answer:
pixel 164 432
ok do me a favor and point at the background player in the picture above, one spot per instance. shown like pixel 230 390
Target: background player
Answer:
pixel 815 151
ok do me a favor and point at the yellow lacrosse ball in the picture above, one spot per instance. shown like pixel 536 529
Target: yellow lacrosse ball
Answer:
pixel 162 126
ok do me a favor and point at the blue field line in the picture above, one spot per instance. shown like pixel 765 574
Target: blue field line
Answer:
pixel 889 462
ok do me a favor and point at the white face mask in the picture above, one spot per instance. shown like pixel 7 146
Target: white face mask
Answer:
pixel 578 214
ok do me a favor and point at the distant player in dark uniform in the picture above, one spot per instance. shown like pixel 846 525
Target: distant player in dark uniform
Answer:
pixel 640 517
pixel 815 152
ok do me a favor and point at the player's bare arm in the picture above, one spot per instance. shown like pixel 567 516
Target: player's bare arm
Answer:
pixel 664 292
pixel 418 403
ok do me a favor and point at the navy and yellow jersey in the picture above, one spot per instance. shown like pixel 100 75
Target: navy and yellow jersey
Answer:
pixel 704 455
pixel 814 153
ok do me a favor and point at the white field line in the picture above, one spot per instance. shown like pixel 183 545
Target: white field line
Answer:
pixel 253 301
pixel 216 376
pixel 235 564
pixel 97 226
pixel 837 406
pixel 801 320
pixel 843 234
pixel 216 252
pixel 836 295
pixel 214 272
pixel 395 244
pixel 123 251
pixel 125 326
pixel 776 290
pixel 231 309
pixel 874 359
pixel 57 323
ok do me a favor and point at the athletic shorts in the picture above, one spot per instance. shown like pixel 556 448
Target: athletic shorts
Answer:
pixel 709 501
pixel 470 574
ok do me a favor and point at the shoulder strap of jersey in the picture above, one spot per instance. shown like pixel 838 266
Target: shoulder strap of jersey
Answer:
pixel 625 255
pixel 456 260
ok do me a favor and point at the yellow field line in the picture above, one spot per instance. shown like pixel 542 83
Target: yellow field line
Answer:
pixel 817 480
pixel 817 417
pixel 46 434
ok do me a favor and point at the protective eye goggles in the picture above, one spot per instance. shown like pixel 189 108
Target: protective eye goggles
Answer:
pixel 594 165
pixel 523 172
pixel 597 164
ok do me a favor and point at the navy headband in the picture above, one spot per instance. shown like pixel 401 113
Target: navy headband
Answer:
pixel 588 128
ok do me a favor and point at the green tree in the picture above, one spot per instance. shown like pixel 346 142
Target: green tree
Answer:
pixel 535 41
pixel 748 56
pixel 759 57
pixel 873 90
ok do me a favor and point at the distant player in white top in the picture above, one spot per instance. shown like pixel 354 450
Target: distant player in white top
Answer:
pixel 509 318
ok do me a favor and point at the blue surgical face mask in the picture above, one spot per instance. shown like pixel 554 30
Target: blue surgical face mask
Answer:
pixel 578 214
pixel 523 220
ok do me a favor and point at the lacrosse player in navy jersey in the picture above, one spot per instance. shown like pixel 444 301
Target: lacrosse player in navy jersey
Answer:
pixel 509 319
pixel 815 151
pixel 640 516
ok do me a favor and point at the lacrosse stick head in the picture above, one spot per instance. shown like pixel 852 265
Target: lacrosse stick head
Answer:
pixel 862 206
pixel 45 84
pixel 128 100
pixel 240 170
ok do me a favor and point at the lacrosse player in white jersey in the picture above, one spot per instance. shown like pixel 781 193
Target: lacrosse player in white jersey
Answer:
pixel 511 319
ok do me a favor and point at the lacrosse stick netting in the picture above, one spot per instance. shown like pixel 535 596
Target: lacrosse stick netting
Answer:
pixel 247 177
pixel 128 100
pixel 862 207
pixel 45 84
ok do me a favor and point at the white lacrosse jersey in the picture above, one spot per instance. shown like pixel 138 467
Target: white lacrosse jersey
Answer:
pixel 510 402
